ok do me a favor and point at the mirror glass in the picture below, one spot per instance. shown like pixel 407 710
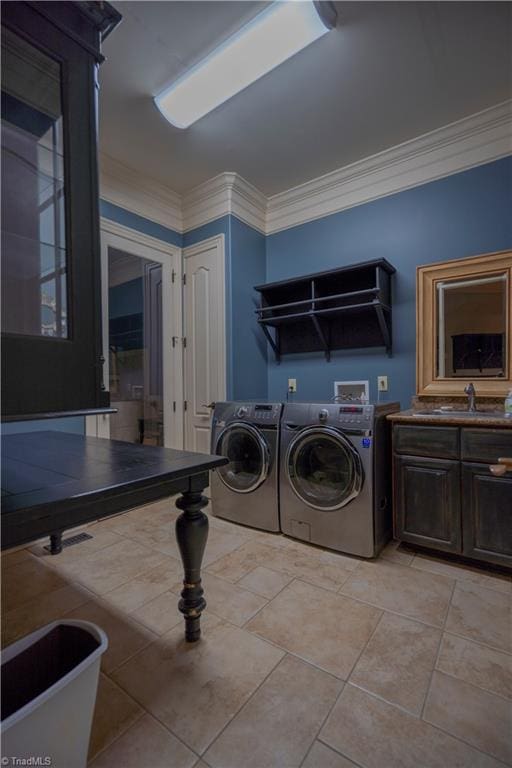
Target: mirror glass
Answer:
pixel 471 327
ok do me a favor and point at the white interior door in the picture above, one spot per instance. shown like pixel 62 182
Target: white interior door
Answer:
pixel 205 333
pixel 143 368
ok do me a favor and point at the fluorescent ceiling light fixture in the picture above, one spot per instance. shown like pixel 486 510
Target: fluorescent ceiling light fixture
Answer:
pixel 273 36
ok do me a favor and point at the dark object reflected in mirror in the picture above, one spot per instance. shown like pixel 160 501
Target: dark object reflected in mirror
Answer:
pixel 477 353
pixel 471 327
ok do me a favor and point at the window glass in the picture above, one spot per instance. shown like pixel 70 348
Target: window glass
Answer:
pixel 34 275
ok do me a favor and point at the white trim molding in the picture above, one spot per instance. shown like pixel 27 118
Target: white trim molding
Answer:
pixel 139 194
pixel 459 146
pixel 113 228
pixel 227 193
pixel 472 141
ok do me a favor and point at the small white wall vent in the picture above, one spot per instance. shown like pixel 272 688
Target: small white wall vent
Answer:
pixel 352 391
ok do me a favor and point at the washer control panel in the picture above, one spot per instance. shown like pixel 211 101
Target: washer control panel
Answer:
pixel 258 413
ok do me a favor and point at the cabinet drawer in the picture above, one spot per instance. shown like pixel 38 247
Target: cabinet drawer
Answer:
pixel 418 440
pixel 485 444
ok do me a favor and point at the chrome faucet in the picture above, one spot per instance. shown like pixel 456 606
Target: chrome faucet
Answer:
pixel 470 392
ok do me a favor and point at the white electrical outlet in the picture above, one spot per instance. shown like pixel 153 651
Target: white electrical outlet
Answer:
pixel 382 383
pixel 292 385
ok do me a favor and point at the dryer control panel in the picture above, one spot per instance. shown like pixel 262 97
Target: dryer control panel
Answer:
pixel 266 413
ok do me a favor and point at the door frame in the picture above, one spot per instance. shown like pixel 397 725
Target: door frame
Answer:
pixel 131 241
pixel 218 242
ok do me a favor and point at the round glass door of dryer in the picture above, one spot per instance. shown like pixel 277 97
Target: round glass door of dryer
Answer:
pixel 324 469
pixel 248 454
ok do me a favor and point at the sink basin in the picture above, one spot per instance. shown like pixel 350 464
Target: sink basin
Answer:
pixel 466 414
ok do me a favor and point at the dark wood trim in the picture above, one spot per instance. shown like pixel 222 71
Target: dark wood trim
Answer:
pixel 57 414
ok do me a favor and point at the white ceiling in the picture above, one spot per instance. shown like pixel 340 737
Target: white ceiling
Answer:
pixel 389 72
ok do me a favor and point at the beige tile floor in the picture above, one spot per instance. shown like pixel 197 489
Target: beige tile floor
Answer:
pixel 308 658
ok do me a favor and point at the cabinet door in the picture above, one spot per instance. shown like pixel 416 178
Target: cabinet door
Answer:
pixel 427 502
pixel 51 353
pixel 487 514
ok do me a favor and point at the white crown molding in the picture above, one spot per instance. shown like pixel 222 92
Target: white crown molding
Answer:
pixel 227 193
pixel 249 204
pixel 467 143
pixel 139 194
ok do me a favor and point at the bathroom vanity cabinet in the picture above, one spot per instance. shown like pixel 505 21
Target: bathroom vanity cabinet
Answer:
pixel 445 496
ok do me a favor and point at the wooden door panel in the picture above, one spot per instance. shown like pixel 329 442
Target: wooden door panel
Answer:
pixel 205 366
pixel 427 502
pixel 487 514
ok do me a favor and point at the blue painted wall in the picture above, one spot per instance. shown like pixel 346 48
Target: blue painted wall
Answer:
pixel 126 298
pixel 248 345
pixel 462 215
pixel 139 223
pixel 221 226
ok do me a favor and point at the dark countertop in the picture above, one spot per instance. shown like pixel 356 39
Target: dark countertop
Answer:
pixel 481 419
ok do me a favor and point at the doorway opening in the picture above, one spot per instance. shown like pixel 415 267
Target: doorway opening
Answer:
pixel 135 348
pixel 142 317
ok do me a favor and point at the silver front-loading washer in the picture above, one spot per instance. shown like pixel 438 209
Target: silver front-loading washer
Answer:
pixel 335 475
pixel 246 490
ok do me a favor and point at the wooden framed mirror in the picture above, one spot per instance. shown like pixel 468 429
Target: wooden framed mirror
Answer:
pixel 464 326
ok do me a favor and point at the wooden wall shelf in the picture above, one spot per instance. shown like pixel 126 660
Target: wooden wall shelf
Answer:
pixel 345 308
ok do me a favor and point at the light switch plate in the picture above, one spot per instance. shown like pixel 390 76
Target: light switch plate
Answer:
pixel 292 385
pixel 382 383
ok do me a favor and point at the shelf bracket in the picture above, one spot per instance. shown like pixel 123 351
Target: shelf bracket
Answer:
pixel 273 344
pixel 321 336
pixel 384 329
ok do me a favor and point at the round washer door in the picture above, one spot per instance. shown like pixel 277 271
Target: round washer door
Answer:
pixel 323 468
pixel 248 454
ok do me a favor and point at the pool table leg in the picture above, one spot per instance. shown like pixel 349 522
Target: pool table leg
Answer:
pixel 191 534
